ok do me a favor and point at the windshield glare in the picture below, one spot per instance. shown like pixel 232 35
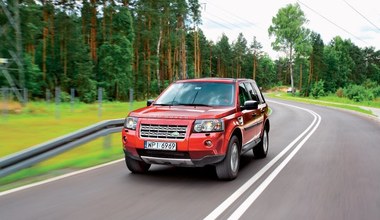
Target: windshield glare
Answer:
pixel 198 93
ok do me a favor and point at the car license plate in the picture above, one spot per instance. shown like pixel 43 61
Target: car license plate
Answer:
pixel 153 145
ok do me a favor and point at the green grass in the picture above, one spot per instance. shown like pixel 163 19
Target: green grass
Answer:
pixel 38 123
pixel 331 100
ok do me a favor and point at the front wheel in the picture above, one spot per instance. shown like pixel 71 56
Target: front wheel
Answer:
pixel 229 167
pixel 136 166
pixel 261 150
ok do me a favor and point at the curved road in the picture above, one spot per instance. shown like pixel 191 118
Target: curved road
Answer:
pixel 322 164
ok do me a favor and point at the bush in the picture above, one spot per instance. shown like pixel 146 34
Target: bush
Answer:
pixel 340 93
pixel 65 97
pixel 376 92
pixel 369 84
pixel 318 89
pixel 358 93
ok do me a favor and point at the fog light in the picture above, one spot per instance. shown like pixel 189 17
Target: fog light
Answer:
pixel 208 143
pixel 125 139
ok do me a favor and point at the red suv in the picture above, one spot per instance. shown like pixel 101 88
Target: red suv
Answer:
pixel 199 122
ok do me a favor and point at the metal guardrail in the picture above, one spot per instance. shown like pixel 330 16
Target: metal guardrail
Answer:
pixel 38 153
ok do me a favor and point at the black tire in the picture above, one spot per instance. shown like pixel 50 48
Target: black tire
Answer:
pixel 261 150
pixel 228 169
pixel 136 166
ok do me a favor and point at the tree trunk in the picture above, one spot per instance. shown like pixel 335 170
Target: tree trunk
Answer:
pixel 30 49
pixel 44 42
pixel 52 34
pixel 169 57
pixel 158 59
pixel 65 62
pixel 291 69
pixel 175 60
pixel 211 60
pixel 110 23
pixel 136 59
pixel 310 75
pixel 218 68
pixel 199 58
pixel 300 85
pixel 148 53
pixel 104 21
pixel 93 31
pixel 183 55
pixel 254 66
pixel 183 47
pixel 195 54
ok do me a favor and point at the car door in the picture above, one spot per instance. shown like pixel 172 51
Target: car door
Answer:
pixel 247 118
pixel 263 106
pixel 257 114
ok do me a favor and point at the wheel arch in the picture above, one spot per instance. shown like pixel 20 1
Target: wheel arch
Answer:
pixel 267 125
pixel 237 132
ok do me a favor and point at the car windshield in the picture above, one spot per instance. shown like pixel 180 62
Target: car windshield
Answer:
pixel 198 94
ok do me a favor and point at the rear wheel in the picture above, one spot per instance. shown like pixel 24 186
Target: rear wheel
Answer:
pixel 261 150
pixel 229 167
pixel 136 166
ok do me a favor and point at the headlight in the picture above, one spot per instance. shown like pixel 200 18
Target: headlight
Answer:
pixel 209 125
pixel 130 123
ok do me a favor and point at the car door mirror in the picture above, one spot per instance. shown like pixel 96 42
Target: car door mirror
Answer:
pixel 251 105
pixel 149 102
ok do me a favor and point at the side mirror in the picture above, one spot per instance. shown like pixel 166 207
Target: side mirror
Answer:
pixel 149 102
pixel 251 105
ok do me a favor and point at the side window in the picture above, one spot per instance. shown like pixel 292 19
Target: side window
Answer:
pixel 259 94
pixel 252 92
pixel 243 94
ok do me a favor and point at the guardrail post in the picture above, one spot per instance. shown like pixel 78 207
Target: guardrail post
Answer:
pixel 25 101
pixel 48 96
pixel 107 142
pixel 4 94
pixel 72 92
pixel 57 102
pixel 100 97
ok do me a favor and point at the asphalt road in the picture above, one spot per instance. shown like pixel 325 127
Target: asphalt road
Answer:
pixel 322 164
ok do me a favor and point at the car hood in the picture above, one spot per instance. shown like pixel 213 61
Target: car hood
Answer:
pixel 183 112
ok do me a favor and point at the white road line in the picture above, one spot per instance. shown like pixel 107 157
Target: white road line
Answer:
pixel 58 178
pixel 248 202
pixel 228 202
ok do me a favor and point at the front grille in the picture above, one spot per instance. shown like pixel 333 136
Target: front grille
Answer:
pixel 163 131
pixel 163 154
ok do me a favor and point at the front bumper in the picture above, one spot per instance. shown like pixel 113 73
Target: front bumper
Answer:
pixel 160 157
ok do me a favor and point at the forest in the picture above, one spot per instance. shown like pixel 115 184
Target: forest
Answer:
pixel 145 45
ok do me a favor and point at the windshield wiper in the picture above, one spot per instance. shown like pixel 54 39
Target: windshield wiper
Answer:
pixel 163 104
pixel 193 104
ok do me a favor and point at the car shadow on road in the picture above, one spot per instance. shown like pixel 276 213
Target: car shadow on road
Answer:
pixel 169 173
pixel 204 174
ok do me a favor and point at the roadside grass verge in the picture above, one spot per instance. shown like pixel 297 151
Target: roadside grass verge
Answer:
pixel 331 100
pixel 38 123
